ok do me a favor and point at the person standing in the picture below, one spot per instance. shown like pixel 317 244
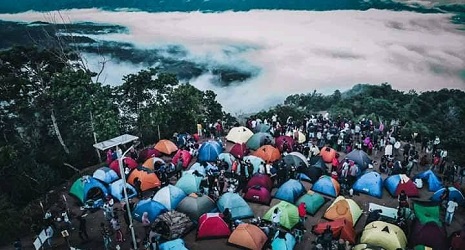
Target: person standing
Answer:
pixel 49 233
pixel 302 211
pixel 276 217
pixel 105 232
pixel 83 227
pixel 146 224
pixel 451 206
pixel 138 187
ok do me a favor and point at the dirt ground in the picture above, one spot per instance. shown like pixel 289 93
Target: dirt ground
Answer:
pixel 96 241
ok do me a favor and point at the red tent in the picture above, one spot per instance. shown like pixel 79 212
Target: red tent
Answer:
pixel 239 150
pixel 212 225
pixel 340 228
pixel 261 180
pixel 186 158
pixel 279 141
pixel 127 161
pixel 258 194
pixel 147 153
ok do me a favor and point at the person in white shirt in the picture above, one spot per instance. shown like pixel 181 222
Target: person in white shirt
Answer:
pixel 451 206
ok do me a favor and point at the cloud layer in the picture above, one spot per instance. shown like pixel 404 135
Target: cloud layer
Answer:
pixel 296 51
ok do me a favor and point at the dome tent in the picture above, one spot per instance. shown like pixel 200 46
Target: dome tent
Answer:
pixel 283 241
pixel 370 183
pixel 195 205
pixel 344 208
pixel 289 214
pixel 434 184
pixel 237 206
pixel 398 182
pixel 340 228
pixel 290 191
pixel 313 201
pixel 148 178
pixel 87 187
pixel 169 196
pixel 212 225
pixel 153 208
pixel 385 235
pixel 258 194
pixel 327 185
pixel 177 244
pixel 248 236
pixel 106 175
pixel 116 190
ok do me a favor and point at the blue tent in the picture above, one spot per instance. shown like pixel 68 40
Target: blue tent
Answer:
pixel 116 190
pixel 290 191
pixel 285 242
pixel 169 196
pixel 434 184
pixel 106 175
pixel 453 194
pixel 87 187
pixel 197 166
pixel 182 140
pixel 370 183
pixel 209 151
pixel 189 183
pixel 237 206
pixel 327 185
pixel 153 208
pixel 177 244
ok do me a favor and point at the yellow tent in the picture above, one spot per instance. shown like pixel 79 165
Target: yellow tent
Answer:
pixel 385 235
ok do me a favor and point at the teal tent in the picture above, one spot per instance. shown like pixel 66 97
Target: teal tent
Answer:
pixel 283 241
pixel 313 201
pixel 237 206
pixel 87 187
pixel 189 183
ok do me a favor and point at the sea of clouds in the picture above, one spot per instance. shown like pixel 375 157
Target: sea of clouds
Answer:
pixel 295 51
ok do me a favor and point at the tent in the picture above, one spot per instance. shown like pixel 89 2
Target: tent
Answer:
pixel 398 182
pixel 227 157
pixel 454 193
pixel 280 140
pixel 259 139
pixel 268 153
pixel 173 225
pixel 263 180
pixel 239 134
pixel 146 153
pixel 153 208
pixel 289 214
pixel 147 177
pixel 328 154
pixel 177 244
pixel 166 147
pixel 127 161
pixel 106 175
pixel 212 225
pixel 169 196
pixel 237 206
pixel 290 191
pixel 258 194
pixel 195 205
pixel 313 201
pixel 428 234
pixel 256 162
pixel 199 167
pixel 209 151
pixel 457 240
pixel 327 185
pixel 427 212
pixel 116 190
pixel 262 127
pixel 295 158
pixel 189 183
pixel 153 163
pixel 283 241
pixel 360 158
pixel 239 150
pixel 301 138
pixel 310 174
pixel 185 155
pixel 370 183
pixel 344 208
pixel 248 236
pixel 366 247
pixel 385 235
pixel 87 187
pixel 434 184
pixel 340 228
pixel 182 139
pixel 317 161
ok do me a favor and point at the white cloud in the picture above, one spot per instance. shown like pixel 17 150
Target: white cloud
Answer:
pixel 298 51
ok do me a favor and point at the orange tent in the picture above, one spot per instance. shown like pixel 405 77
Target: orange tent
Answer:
pixel 344 208
pixel 166 147
pixel 328 154
pixel 150 162
pixel 148 178
pixel 268 153
pixel 340 228
pixel 248 236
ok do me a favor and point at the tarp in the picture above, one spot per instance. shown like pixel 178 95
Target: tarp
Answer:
pixel 360 158
pixel 283 241
pixel 212 225
pixel 268 153
pixel 153 208
pixel 166 147
pixel 258 194
pixel 239 134
pixel 327 185
pixel 328 154
pixel 237 206
pixel 248 236
pixel 290 191
pixel 173 225
pixel 453 194
pixel 434 184
pixel 116 190
pixel 194 206
pixel 259 139
pixel 149 180
pixel 169 196
pixel 429 234
pixel 87 187
pixel 127 162
pixel 340 228
pixel 344 208
pixel 239 150
pixel 209 151
pixel 370 183
pixel 313 201
pixel 295 158
pixel 106 175
pixel 263 180
pixel 189 183
pixel 385 235
pixel 388 212
pixel 398 182
pixel 185 155
pixel 289 214
pixel 177 244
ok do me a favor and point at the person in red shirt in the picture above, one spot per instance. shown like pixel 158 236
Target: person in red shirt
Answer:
pixel 302 211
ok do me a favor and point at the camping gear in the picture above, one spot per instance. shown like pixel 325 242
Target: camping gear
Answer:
pixel 195 205
pixel 186 158
pixel 148 178
pixel 88 188
pixel 153 208
pixel 189 183
pixel 317 161
pixel 340 229
pixel 258 194
pixel 150 163
pixel 311 174
pixel 239 150
pixel 127 162
pixel 237 206
pixel 268 153
pixel 177 244
pixel 116 190
pixel 398 182
pixel 285 242
pixel 169 196
pixel 313 201
pixel 256 162
pixel 146 153
pixel 290 191
pixel 166 147
pixel 259 139
pixel 328 154
pixel 295 158
pixel 239 134
pixel 429 234
pixel 263 180
pixel 454 193
pixel 344 208
pixel 370 183
pixel 385 235
pixel 434 184
pixel 212 225
pixel 248 236
pixel 289 214
pixel 209 151
pixel 227 157
pixel 279 142
pixel 106 175
pixel 327 185
pixel 360 158
pixel 173 225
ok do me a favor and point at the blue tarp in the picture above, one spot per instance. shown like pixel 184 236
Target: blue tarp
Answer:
pixel 237 206
pixel 209 151
pixel 283 243
pixel 177 244
pixel 370 183
pixel 169 196
pixel 290 191
pixel 116 190
pixel 153 208
pixel 434 184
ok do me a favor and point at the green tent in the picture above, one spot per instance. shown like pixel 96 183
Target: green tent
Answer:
pixel 313 202
pixel 259 139
pixel 421 247
pixel 427 212
pixel 87 187
pixel 289 214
